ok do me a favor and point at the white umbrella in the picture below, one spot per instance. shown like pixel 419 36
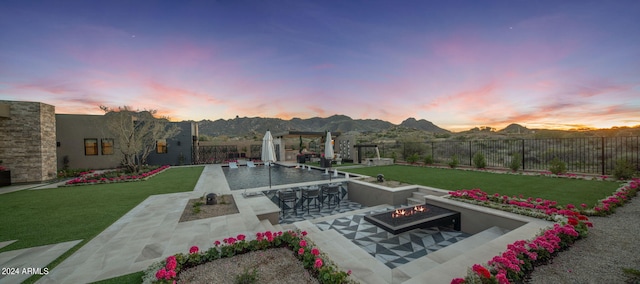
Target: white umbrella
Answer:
pixel 328 147
pixel 268 152
pixel 328 150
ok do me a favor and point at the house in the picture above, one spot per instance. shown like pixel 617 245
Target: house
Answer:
pixel 28 140
pixel 35 142
pixel 84 142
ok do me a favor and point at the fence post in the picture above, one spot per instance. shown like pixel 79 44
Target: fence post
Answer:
pixel 433 158
pixel 522 154
pixel 602 154
pixel 470 163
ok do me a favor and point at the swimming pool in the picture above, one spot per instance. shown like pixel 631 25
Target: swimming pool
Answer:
pixel 246 177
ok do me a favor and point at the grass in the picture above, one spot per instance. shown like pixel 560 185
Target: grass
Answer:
pixel 49 216
pixel 133 278
pixel 563 190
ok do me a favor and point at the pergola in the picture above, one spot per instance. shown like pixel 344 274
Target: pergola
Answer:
pixel 360 146
pixel 297 134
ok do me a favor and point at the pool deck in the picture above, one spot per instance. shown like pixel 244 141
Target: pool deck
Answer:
pixel 150 232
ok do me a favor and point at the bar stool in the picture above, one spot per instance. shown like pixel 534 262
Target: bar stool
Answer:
pixel 287 196
pixel 311 193
pixel 331 191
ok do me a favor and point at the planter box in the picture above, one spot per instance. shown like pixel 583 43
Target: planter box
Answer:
pixel 5 178
pixel 325 163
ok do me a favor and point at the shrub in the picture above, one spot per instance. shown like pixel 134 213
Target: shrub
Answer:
pixel 557 167
pixel 196 207
pixel 516 162
pixel 413 158
pixel 247 277
pixel 454 161
pixel 479 161
pixel 624 170
pixel 428 160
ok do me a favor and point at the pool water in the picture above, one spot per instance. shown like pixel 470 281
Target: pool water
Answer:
pixel 246 177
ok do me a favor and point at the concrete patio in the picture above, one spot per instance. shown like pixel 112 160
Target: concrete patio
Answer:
pixel 150 232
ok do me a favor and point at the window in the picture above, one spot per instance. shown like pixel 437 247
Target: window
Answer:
pixel 161 146
pixel 90 147
pixel 107 146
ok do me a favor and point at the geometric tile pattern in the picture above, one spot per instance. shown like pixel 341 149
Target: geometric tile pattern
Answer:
pixel 392 250
pixel 301 214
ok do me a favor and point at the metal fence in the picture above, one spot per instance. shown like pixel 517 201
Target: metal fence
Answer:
pixel 595 155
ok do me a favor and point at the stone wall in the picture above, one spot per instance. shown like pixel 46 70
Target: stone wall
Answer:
pixel 28 141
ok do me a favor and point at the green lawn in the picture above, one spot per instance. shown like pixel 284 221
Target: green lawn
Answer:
pixel 562 190
pixel 133 278
pixel 49 216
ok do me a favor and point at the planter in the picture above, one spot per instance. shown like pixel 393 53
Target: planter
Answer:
pixel 325 163
pixel 5 178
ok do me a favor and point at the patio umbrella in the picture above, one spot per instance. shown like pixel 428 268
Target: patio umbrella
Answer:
pixel 328 150
pixel 268 151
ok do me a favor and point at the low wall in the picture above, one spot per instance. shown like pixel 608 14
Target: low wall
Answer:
pixel 378 162
pixel 369 194
pixel 474 218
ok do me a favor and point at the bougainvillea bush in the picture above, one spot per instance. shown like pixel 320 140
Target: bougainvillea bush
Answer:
pixel 90 177
pixel 318 264
pixel 522 256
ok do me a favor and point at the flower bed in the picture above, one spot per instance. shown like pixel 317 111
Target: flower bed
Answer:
pixel 522 256
pixel 90 177
pixel 546 209
pixel 317 263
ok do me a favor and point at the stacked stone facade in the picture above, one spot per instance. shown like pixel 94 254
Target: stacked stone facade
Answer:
pixel 28 141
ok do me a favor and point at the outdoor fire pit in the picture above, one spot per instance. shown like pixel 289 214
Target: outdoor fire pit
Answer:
pixel 420 216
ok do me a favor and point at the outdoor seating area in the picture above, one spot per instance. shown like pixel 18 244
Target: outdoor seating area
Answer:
pixel 292 199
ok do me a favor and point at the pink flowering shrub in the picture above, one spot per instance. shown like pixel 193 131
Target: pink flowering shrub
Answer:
pixel 622 195
pixel 111 177
pixel 522 256
pixel 311 258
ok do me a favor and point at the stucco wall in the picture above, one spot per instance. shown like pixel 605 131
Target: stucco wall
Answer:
pixel 71 130
pixel 179 148
pixel 28 141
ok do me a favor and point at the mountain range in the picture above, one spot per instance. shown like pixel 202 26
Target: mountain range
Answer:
pixel 242 126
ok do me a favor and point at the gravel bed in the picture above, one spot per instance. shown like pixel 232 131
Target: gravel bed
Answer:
pixel 611 245
pixel 277 265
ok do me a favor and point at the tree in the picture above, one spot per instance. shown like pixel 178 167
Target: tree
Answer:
pixel 136 133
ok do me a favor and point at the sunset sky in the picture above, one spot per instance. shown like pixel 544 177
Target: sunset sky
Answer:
pixel 458 64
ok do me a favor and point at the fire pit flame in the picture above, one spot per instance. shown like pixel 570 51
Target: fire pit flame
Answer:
pixel 408 212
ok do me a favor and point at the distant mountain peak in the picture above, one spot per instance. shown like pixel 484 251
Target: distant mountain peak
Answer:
pixel 515 128
pixel 422 124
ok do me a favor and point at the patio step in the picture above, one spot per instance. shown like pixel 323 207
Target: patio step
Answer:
pixel 451 251
pixel 366 269
pixel 415 200
pixel 494 245
pixel 267 225
pixel 418 196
